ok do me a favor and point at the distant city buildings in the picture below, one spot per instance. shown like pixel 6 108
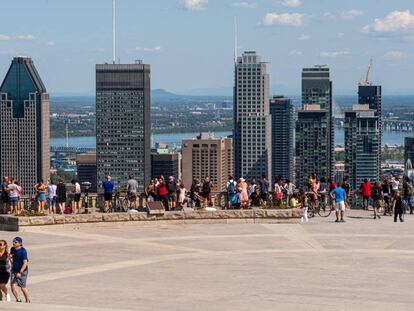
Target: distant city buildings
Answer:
pixel 315 126
pixel 207 156
pixel 123 122
pixel 252 120
pixel 362 145
pixel 86 168
pixel 165 162
pixel 283 126
pixel 371 95
pixel 24 125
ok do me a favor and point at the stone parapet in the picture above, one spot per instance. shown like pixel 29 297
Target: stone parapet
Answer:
pixel 14 223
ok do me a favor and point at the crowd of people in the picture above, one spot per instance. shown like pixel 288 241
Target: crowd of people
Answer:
pixel 14 268
pixel 50 197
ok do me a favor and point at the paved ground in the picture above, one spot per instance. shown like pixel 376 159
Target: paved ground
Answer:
pixel 360 265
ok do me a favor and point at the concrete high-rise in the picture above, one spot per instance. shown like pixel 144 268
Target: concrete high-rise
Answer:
pixel 371 95
pixel 252 120
pixel 316 103
pixel 362 145
pixel 207 156
pixel 283 126
pixel 24 125
pixel 123 123
pixel 409 150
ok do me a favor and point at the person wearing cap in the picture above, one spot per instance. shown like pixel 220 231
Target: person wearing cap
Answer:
pixel 20 269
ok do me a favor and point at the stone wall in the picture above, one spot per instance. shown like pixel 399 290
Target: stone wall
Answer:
pixel 13 223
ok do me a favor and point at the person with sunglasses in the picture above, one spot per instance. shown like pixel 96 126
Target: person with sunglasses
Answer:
pixel 4 270
pixel 20 269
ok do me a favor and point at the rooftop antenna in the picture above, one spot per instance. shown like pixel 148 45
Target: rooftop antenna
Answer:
pixel 113 31
pixel 67 135
pixel 235 40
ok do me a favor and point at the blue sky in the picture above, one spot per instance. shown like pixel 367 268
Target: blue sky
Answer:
pixel 189 43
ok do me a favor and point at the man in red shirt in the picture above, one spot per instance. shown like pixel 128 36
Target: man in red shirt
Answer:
pixel 366 193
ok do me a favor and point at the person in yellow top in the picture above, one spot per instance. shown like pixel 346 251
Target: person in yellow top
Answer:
pixel 40 196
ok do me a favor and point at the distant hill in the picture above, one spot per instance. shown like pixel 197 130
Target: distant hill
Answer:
pixel 161 94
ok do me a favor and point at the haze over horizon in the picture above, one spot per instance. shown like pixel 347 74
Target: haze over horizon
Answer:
pixel 189 43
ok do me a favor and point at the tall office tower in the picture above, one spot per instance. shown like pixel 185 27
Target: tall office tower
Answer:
pixel 283 126
pixel 123 122
pixel 86 166
pixel 317 95
pixel 24 125
pixel 362 145
pixel 409 150
pixel 207 156
pixel 312 143
pixel 252 121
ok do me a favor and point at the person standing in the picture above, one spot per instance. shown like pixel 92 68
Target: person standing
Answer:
pixel 19 200
pixel 4 270
pixel 252 187
pixel 40 196
pixel 395 185
pixel 132 191
pixel 264 188
pixel 347 187
pixel 20 269
pixel 386 191
pixel 182 196
pixel 278 194
pixel 377 197
pixel 231 192
pixel 207 187
pixel 163 193
pixel 5 195
pixel 366 188
pixel 13 196
pixel 398 206
pixel 51 196
pixel 303 203
pixel 408 192
pixel 61 195
pixel 76 190
pixel 244 196
pixel 172 193
pixel 108 186
pixel 339 195
pixel 290 190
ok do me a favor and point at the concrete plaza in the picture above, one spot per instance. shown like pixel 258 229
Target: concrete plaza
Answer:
pixel 321 265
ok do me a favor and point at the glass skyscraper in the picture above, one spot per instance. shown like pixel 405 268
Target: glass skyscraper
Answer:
pixel 123 125
pixel 24 125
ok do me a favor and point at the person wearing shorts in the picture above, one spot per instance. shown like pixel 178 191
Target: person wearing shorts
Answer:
pixel 76 190
pixel 339 195
pixel 20 269
pixel 108 186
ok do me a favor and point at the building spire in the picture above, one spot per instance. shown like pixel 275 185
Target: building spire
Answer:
pixel 113 31
pixel 235 40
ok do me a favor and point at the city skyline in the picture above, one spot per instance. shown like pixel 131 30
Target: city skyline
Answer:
pixel 289 34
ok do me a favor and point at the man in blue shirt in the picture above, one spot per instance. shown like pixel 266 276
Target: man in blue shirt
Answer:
pixel 339 195
pixel 108 186
pixel 20 269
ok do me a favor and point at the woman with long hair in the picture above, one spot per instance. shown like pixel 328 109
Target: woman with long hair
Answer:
pixel 4 270
pixel 40 196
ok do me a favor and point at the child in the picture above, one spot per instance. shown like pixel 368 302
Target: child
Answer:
pixel 303 201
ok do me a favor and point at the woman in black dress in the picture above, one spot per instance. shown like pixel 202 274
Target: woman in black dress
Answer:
pixel 4 270
pixel 61 195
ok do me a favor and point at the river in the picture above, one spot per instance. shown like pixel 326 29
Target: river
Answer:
pixel 175 139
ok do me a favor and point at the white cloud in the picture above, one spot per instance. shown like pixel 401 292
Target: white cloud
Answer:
pixel 284 19
pixel 333 54
pixel 295 52
pixel 396 55
pixel 292 3
pixel 147 49
pixel 304 37
pixel 340 34
pixel 4 37
pixel 24 37
pixel 194 5
pixel 51 43
pixel 328 16
pixel 396 22
pixel 244 5
pixel 351 14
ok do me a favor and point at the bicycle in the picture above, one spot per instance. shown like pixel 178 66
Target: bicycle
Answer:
pixel 319 207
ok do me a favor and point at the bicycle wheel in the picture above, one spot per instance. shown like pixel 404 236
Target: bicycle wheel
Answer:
pixel 125 205
pixel 324 211
pixel 311 213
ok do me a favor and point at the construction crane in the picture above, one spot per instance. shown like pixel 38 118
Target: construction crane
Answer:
pixel 366 79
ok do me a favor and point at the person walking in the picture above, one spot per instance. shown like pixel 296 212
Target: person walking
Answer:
pixel 377 197
pixel 395 185
pixel 339 195
pixel 4 270
pixel 20 269
pixel 398 206
pixel 366 188
pixel 40 196
pixel 51 196
pixel 61 195
pixel 76 190
pixel 407 193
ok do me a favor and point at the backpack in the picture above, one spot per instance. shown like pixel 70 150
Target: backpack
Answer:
pixel 231 189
